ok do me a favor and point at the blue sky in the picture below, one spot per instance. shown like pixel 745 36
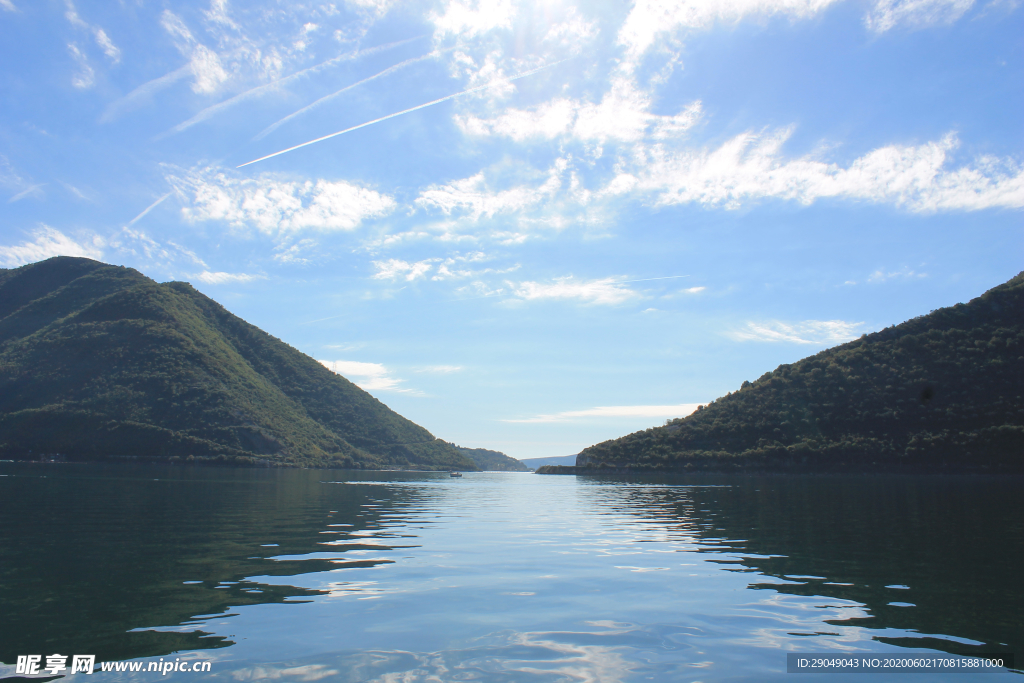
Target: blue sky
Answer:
pixel 606 214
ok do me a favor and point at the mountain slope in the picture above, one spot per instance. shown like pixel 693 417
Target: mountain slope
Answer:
pixel 98 360
pixel 941 392
pixel 492 461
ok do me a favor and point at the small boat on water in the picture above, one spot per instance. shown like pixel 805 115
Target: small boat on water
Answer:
pixel 453 473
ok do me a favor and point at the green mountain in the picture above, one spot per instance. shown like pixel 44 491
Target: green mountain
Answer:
pixel 941 392
pixel 492 461
pixel 99 361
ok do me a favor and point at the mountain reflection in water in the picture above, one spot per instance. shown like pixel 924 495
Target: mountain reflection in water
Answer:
pixel 125 562
pixel 376 576
pixel 950 547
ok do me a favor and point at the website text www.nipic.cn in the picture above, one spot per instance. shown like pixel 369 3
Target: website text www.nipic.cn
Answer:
pixel 55 664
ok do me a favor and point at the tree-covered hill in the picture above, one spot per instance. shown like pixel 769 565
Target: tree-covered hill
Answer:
pixel 99 361
pixel 492 461
pixel 941 392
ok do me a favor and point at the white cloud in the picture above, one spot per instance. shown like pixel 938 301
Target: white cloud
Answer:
pixel 72 16
pixel 8 5
pixel 137 243
pixel 275 206
pixel 48 242
pixel 695 290
pixel 887 14
pixel 818 332
pixel 904 273
pixel 751 166
pixel 441 369
pixel 450 271
pixel 395 269
pixel 9 177
pixel 377 7
pixel 102 39
pixel 623 114
pixel 573 32
pixel 203 62
pixel 649 18
pixel 107 45
pixel 605 291
pixel 468 19
pixel 86 77
pixel 368 376
pixel 220 278
pixel 295 253
pixel 473 195
pixel 679 410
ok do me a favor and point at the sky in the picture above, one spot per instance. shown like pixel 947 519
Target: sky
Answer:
pixel 527 226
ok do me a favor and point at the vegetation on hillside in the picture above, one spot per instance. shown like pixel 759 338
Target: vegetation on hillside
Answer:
pixel 941 392
pixel 492 461
pixel 99 361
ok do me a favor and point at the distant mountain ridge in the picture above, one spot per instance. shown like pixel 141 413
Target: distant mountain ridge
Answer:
pixel 534 463
pixel 941 392
pixel 492 461
pixel 99 361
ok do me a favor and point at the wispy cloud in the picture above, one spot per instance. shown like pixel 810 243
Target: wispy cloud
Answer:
pixel 102 39
pixel 473 196
pixel 299 252
pixel 139 244
pixel 48 242
pixel 440 369
pixel 607 291
pixel 905 273
pixel 85 77
pixel 276 206
pixel 397 269
pixel 679 410
pixel 204 63
pixel 454 267
pixel 221 278
pixel 622 114
pixel 817 332
pixel 8 5
pixel 466 20
pixel 887 14
pixel 650 18
pixel 752 166
pixel 368 376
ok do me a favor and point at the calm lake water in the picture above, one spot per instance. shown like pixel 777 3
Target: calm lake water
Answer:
pixel 303 575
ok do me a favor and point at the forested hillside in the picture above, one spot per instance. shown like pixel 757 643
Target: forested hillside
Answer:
pixel 492 461
pixel 941 392
pixel 98 361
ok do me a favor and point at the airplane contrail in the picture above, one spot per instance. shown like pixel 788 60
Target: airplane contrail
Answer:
pixel 399 113
pixel 26 192
pixel 277 124
pixel 147 210
pixel 213 109
pixel 115 108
